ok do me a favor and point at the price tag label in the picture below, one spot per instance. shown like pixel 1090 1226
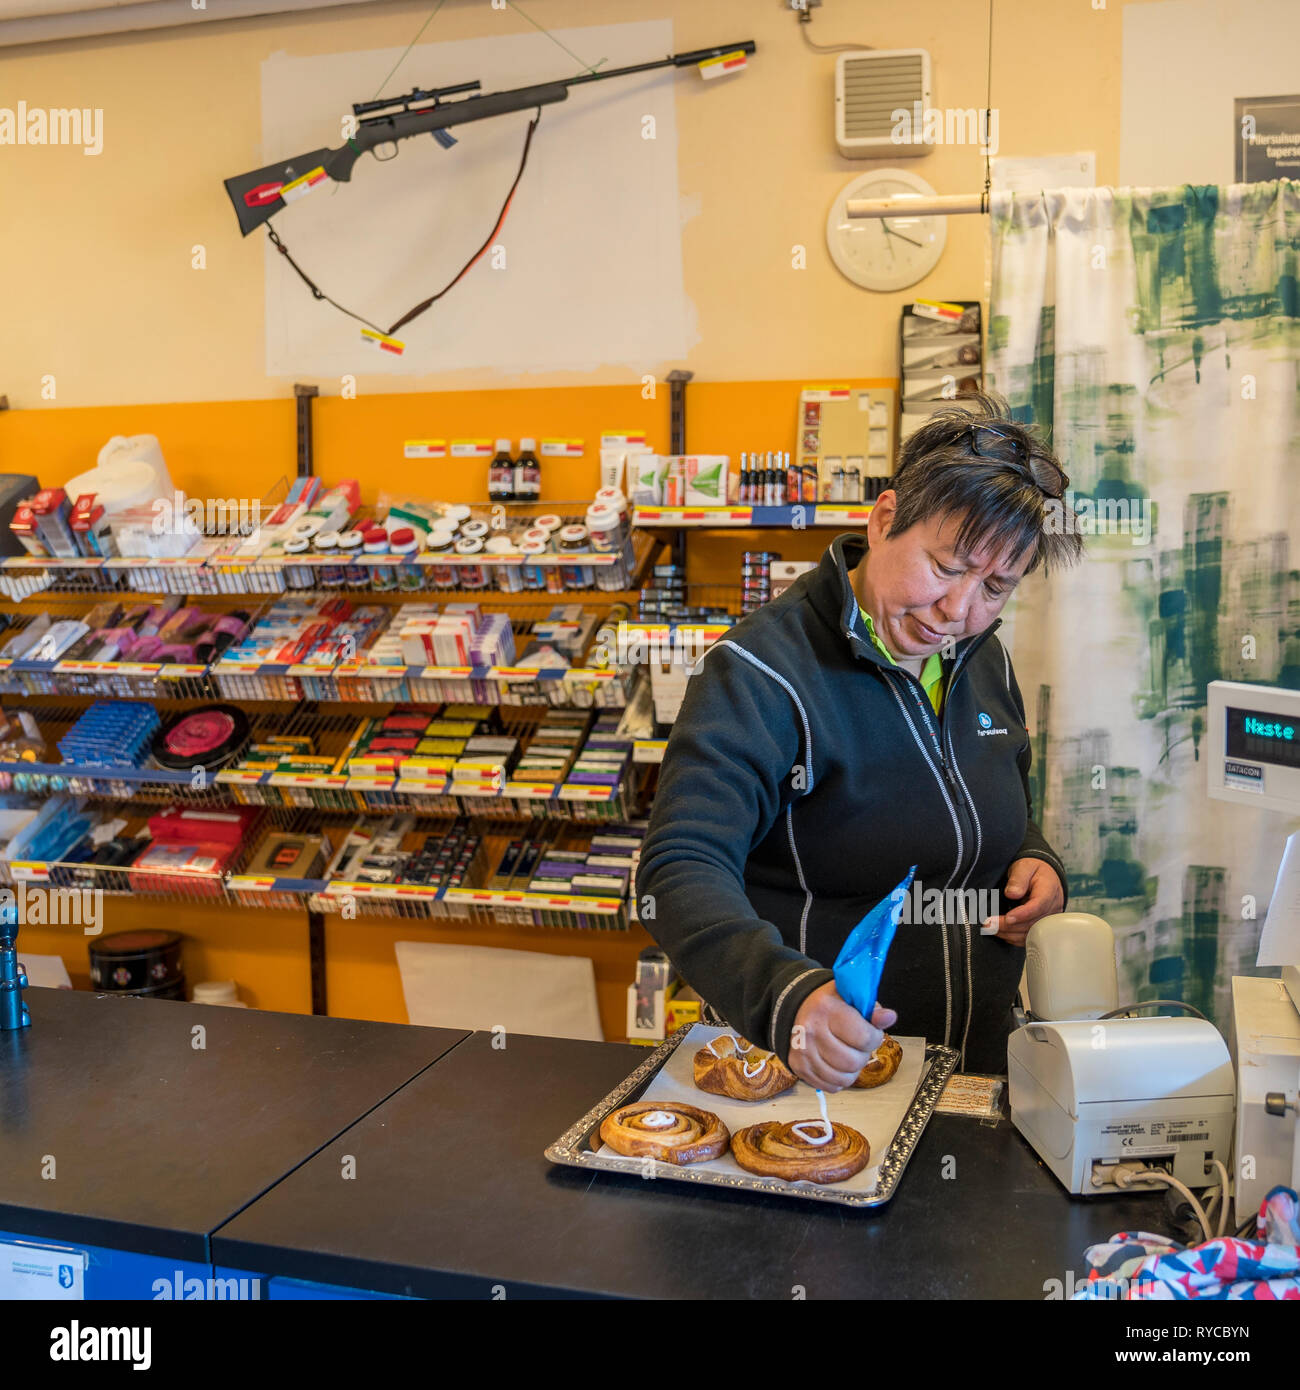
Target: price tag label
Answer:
pixel 562 448
pixel 471 448
pixel 826 393
pixel 425 449
pixel 382 342
pixel 841 516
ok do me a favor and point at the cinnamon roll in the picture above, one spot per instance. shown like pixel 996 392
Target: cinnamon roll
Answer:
pixel 730 1066
pixel 884 1063
pixel 666 1130
pixel 801 1151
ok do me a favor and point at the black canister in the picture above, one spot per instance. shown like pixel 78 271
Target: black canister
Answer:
pixel 137 960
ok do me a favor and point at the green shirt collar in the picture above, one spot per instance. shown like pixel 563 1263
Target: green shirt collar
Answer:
pixel 931 672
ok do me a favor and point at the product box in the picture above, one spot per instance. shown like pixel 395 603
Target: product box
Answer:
pixel 645 479
pixel 695 480
pixel 88 523
pixel 22 525
pixel 658 1003
pixel 783 573
pixel 50 508
pixel 290 856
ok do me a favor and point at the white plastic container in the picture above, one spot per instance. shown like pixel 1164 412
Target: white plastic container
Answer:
pixel 223 992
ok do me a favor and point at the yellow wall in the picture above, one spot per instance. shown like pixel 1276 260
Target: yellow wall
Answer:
pixel 99 288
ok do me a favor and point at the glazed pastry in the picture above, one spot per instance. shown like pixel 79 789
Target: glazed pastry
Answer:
pixel 675 1133
pixel 883 1064
pixel 802 1151
pixel 730 1066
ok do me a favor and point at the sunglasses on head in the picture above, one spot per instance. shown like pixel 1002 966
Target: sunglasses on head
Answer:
pixel 989 442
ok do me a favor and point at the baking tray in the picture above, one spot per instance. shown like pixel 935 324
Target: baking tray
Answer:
pixel 574 1147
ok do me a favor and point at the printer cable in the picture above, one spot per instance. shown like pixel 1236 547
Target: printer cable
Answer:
pixel 1223 1196
pixel 1125 1174
pixel 1153 1003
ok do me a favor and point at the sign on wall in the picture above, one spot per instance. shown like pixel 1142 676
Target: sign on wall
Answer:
pixel 1268 138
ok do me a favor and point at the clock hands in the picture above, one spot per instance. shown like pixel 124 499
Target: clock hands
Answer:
pixel 884 222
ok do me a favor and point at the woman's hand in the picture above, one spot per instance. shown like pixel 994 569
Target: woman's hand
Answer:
pixel 831 1042
pixel 1040 886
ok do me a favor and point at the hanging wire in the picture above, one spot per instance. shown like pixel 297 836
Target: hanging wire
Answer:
pixel 805 19
pixel 553 39
pixel 410 46
pixel 988 122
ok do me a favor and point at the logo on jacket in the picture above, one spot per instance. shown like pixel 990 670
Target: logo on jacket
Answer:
pixel 986 725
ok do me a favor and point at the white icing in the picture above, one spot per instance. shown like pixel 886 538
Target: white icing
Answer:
pixel 711 1048
pixel 758 1067
pixel 748 1047
pixel 657 1119
pixel 824 1124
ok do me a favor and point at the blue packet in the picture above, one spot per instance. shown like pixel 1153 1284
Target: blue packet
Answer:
pixel 861 960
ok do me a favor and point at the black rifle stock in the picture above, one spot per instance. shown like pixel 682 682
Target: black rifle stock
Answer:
pixel 257 195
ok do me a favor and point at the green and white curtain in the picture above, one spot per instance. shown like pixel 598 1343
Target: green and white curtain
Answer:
pixel 1154 334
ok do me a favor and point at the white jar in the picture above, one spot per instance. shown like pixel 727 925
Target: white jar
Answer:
pixel 224 992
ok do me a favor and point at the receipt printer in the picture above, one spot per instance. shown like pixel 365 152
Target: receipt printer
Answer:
pixel 1087 1093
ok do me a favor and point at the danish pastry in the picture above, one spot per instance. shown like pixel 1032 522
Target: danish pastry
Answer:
pixel 666 1130
pixel 801 1151
pixel 883 1064
pixel 730 1066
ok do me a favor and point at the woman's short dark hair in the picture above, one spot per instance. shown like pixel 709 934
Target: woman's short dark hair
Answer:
pixel 972 461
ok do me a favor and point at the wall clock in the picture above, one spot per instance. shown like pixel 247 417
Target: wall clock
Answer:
pixel 885 253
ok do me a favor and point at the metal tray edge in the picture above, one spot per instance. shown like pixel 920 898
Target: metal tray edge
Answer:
pixel 570 1148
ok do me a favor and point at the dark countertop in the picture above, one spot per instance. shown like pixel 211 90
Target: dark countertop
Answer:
pixel 155 1141
pixel 452 1195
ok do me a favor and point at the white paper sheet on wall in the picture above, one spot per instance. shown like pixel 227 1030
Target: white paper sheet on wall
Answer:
pixel 592 271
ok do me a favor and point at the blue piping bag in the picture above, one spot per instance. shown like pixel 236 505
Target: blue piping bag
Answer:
pixel 861 960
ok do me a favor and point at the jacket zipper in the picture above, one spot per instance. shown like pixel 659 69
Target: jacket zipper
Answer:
pixel 946 733
pixel 968 814
pixel 955 792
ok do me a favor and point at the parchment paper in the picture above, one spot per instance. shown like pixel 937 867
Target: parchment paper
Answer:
pixel 876 1113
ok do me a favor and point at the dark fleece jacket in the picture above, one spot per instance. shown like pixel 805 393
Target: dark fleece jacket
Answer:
pixel 803 777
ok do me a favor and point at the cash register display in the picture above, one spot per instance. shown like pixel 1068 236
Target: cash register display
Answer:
pixel 1262 737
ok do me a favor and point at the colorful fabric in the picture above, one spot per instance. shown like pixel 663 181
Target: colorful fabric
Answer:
pixel 931 672
pixel 1138 1265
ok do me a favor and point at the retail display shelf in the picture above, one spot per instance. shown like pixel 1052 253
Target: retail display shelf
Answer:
pixel 343 681
pixel 582 574
pixel 428 786
pixel 349 897
pixel 796 516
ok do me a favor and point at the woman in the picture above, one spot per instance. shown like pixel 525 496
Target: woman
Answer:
pixel 865 721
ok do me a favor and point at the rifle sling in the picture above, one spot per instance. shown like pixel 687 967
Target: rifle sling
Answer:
pixel 406 318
